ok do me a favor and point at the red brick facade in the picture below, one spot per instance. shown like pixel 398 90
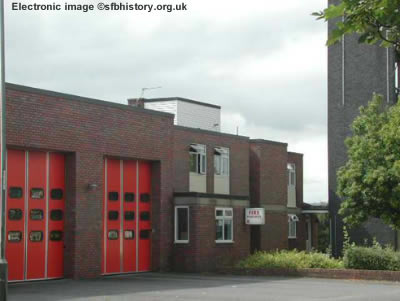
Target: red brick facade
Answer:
pixel 88 130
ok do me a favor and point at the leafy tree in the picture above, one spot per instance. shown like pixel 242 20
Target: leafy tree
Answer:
pixel 323 233
pixel 369 183
pixel 376 21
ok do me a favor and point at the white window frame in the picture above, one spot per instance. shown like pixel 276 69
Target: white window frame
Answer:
pixel 223 218
pixel 201 158
pixel 176 240
pixel 291 170
pixel 224 154
pixel 292 221
pixel 396 76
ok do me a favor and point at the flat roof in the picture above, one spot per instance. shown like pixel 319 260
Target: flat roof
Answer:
pixel 15 87
pixel 181 99
pixel 264 141
pixel 202 131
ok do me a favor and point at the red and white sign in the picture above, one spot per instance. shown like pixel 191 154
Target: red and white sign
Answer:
pixel 255 216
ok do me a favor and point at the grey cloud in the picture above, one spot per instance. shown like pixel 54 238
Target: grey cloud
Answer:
pixel 101 58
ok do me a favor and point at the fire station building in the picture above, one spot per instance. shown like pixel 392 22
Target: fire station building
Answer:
pixel 97 188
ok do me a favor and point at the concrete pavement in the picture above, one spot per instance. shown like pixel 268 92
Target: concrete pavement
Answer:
pixel 169 286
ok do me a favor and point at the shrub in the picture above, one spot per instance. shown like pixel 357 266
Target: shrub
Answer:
pixel 289 260
pixel 371 258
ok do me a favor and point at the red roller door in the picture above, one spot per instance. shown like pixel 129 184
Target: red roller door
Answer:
pixel 32 249
pixel 56 215
pixel 15 216
pixel 112 216
pixel 129 223
pixel 127 233
pixel 36 212
pixel 144 217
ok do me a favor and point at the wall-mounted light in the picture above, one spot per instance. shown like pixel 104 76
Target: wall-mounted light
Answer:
pixel 92 186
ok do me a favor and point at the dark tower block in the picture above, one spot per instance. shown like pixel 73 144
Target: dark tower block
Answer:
pixel 355 72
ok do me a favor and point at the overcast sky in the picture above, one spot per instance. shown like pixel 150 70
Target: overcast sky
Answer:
pixel 263 61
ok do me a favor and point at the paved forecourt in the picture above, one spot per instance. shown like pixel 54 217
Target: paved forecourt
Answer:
pixel 160 286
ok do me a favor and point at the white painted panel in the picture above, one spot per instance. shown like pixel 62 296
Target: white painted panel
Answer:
pixel 197 182
pixel 291 196
pixel 221 184
pixel 164 106
pixel 198 116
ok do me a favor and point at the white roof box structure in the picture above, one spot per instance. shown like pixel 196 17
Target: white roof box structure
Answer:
pixel 189 113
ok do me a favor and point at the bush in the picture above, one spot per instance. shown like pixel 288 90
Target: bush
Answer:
pixel 371 258
pixel 289 260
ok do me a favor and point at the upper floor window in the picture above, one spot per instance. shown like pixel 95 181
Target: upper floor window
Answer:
pixel 292 219
pixel 291 174
pixel 197 158
pixel 221 161
pixel 397 78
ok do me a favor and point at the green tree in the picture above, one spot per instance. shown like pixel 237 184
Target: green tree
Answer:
pixel 323 233
pixel 369 183
pixel 376 21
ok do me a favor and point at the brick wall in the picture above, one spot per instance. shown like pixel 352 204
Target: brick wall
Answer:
pixel 274 234
pixel 202 253
pixel 268 189
pixel 268 161
pixel 87 130
pixel 297 159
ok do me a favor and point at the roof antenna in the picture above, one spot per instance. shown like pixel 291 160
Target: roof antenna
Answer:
pixel 144 90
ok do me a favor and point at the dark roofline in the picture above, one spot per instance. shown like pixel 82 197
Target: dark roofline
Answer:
pixel 309 206
pixel 263 141
pixel 201 131
pixel 211 195
pixel 181 99
pixel 294 153
pixel 10 86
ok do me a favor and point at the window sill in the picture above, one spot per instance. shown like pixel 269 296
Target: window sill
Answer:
pixel 224 241
pixel 180 242
pixel 292 237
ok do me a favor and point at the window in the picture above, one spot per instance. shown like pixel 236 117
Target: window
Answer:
pixel 129 234
pixel 397 78
pixel 56 215
pixel 145 216
pixel 56 194
pixel 14 236
pixel 113 196
pixel 37 193
pixel 129 215
pixel 56 235
pixel 198 158
pixel 291 174
pixel 221 161
pixel 14 214
pixel 36 236
pixel 113 234
pixel 181 224
pixel 292 219
pixel 145 197
pixel 113 215
pixel 144 234
pixel 36 214
pixel 15 193
pixel 224 224
pixel 129 197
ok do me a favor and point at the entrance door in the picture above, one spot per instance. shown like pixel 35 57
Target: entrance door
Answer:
pixel 127 216
pixel 35 215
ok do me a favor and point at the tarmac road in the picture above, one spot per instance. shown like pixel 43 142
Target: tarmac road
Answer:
pixel 169 286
